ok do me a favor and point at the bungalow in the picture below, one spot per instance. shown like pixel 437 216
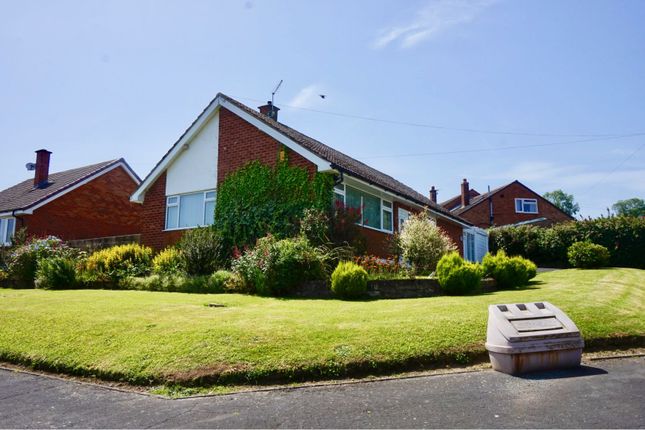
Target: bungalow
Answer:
pixel 179 193
pixel 510 204
pixel 84 203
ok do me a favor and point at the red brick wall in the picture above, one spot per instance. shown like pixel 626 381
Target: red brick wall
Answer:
pixel 154 217
pixel 241 142
pixel 454 231
pixel 504 208
pixel 99 208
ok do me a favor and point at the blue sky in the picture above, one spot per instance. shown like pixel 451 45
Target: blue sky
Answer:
pixel 562 80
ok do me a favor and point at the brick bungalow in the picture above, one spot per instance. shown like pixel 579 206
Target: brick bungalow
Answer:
pixel 179 193
pixel 510 204
pixel 84 203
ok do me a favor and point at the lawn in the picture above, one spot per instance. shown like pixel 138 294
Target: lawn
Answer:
pixel 150 337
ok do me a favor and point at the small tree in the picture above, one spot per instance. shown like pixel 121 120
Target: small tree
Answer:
pixel 630 207
pixel 564 201
pixel 423 244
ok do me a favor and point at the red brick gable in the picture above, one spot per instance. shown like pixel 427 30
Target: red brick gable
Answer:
pixel 240 143
pixel 504 208
pixel 100 208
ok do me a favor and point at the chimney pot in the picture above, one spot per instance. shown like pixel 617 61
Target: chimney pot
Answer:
pixel 465 193
pixel 433 194
pixel 269 110
pixel 41 176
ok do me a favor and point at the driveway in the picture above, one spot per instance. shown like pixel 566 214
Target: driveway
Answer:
pixel 602 394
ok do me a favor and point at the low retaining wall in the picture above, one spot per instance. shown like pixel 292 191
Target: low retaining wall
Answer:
pixel 103 242
pixel 387 289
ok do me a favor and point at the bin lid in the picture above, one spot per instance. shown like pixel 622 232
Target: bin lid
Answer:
pixel 522 322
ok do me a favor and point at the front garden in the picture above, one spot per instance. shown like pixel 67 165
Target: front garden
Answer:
pixel 172 338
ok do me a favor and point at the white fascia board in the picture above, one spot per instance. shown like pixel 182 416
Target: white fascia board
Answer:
pixel 178 147
pixel 321 164
pixel 30 210
pixel 407 201
pixel 6 214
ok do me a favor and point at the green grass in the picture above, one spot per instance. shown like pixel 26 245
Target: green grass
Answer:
pixel 173 338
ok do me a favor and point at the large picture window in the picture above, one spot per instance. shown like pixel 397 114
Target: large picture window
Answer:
pixel 7 229
pixel 190 210
pixel 375 212
pixel 526 206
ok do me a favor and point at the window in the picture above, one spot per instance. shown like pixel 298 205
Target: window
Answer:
pixel 526 206
pixel 375 212
pixel 7 229
pixel 190 210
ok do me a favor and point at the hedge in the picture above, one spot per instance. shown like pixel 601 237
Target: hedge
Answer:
pixel 624 237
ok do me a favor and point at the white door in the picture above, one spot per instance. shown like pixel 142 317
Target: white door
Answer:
pixel 403 217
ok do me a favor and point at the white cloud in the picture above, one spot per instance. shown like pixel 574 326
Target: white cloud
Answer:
pixel 308 97
pixel 435 17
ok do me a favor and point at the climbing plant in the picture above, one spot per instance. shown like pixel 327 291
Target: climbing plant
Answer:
pixel 259 199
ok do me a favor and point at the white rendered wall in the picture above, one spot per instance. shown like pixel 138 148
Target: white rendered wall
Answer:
pixel 195 169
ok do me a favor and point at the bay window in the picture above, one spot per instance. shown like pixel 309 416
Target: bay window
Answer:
pixel 375 212
pixel 190 210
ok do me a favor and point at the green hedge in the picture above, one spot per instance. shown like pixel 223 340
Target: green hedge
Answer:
pixel 624 237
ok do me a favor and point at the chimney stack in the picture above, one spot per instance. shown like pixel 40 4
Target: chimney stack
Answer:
pixel 42 168
pixel 433 194
pixel 465 193
pixel 269 110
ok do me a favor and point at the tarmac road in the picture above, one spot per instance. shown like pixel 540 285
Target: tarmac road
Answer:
pixel 602 394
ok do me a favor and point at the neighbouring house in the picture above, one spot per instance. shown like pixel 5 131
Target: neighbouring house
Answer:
pixel 510 204
pixel 180 191
pixel 90 202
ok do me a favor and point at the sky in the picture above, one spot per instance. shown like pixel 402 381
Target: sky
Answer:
pixel 548 92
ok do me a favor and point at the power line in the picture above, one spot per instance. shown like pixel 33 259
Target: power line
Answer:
pixel 443 127
pixel 503 148
pixel 618 166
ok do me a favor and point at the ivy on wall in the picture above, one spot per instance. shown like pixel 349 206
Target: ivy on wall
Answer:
pixel 259 199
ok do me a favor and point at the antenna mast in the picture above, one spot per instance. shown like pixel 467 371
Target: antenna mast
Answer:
pixel 277 87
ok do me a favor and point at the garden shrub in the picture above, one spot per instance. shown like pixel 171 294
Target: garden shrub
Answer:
pixel 381 268
pixel 587 255
pixel 624 238
pixel 457 276
pixel 345 231
pixel 170 261
pixel 423 243
pixel 275 267
pixel 56 273
pixel 118 262
pixel 258 199
pixel 315 226
pixel 508 272
pixel 23 260
pixel 349 280
pixel 203 251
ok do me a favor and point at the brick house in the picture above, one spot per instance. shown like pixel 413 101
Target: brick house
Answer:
pixel 180 191
pixel 510 204
pixel 84 203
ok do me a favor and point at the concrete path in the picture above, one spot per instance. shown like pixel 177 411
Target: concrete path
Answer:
pixel 605 394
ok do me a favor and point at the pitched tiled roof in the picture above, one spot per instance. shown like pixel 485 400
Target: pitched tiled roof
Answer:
pixel 481 198
pixel 346 163
pixel 24 195
pixel 455 202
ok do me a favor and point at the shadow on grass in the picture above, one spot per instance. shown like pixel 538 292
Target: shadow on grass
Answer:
pixel 574 372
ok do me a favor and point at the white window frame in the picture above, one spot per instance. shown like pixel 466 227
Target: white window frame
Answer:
pixel 522 201
pixel 177 204
pixel 4 225
pixel 343 192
